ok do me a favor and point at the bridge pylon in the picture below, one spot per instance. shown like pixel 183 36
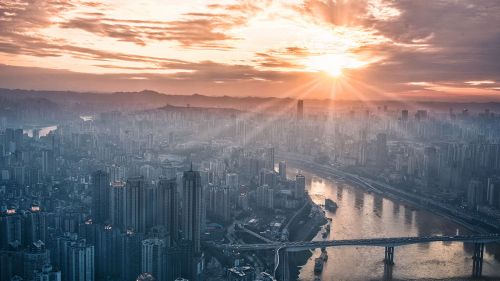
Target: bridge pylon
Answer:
pixel 477 260
pixel 388 272
pixel 284 272
pixel 389 255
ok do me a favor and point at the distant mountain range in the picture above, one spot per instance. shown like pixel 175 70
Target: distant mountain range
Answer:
pixel 88 102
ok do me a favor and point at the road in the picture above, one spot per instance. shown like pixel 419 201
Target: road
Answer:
pixel 380 242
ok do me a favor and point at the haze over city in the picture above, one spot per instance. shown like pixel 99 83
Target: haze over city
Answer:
pixel 292 140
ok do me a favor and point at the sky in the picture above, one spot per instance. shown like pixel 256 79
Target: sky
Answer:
pixel 344 49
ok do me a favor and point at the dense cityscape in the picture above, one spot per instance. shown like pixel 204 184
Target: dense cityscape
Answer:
pixel 249 140
pixel 156 194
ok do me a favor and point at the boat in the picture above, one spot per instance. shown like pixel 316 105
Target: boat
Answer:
pixel 318 265
pixel 330 205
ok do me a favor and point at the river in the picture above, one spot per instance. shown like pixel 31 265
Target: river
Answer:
pixel 364 215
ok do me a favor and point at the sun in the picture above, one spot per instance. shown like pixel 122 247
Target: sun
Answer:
pixel 333 64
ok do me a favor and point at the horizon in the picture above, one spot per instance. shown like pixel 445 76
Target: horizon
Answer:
pixel 337 50
pixel 487 100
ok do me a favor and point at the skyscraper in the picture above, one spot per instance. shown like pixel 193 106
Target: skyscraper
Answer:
pixel 300 186
pixel 135 204
pixel 475 194
pixel 47 273
pixel 34 225
pixel 18 138
pixel 232 181
pixel 493 192
pixel 153 258
pixel 10 227
pixel 430 166
pixel 48 162
pixel 219 202
pixel 270 158
pixel 100 197
pixel 282 170
pixel 81 262
pixel 381 152
pixel 168 208
pixel 117 203
pixel 404 115
pixel 265 196
pixel 130 258
pixel 192 212
pixel 268 177
pixel 34 258
pixel 300 109
pixel 74 257
pixel 107 251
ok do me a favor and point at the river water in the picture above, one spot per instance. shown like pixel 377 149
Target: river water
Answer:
pixel 364 215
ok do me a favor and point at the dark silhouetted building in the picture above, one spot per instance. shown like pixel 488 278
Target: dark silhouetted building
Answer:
pixel 154 258
pixel 135 204
pixel 300 109
pixel 100 197
pixel 282 170
pixel 168 206
pixel 191 211
pixel 300 186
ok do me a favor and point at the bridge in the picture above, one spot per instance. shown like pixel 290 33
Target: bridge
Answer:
pixel 283 248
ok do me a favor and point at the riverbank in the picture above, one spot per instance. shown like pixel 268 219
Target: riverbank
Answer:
pixel 304 228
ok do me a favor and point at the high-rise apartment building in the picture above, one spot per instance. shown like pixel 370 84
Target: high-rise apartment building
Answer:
pixel 153 258
pixel 192 208
pixel 100 197
pixel 300 109
pixel 300 186
pixel 168 206
pixel 135 204
pixel 282 170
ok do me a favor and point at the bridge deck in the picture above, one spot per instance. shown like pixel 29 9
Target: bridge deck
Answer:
pixel 382 242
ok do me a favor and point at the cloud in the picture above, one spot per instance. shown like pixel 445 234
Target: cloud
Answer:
pixel 340 12
pixel 478 83
pixel 193 29
pixel 196 30
pixel 42 47
pixel 21 20
pixel 449 43
pixel 282 59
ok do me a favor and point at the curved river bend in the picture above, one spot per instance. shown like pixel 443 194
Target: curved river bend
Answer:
pixel 364 215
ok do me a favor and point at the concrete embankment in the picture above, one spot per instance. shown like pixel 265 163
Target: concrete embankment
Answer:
pixel 304 228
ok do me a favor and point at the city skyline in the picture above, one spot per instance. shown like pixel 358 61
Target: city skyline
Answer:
pixel 219 194
pixel 358 50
